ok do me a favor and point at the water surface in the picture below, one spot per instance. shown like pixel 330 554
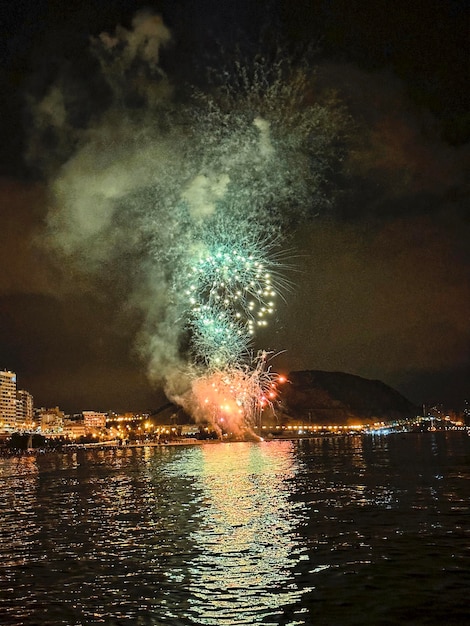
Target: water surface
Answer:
pixel 337 530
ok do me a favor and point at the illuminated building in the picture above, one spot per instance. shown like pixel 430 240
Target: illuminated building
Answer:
pixel 7 401
pixel 94 420
pixel 74 428
pixel 52 420
pixel 24 408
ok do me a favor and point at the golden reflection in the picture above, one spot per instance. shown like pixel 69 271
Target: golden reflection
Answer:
pixel 25 465
pixel 357 452
pixel 246 537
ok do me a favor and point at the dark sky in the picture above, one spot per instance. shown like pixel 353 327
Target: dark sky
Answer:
pixel 381 285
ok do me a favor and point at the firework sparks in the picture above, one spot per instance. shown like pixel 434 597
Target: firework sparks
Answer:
pixel 217 339
pixel 235 273
pixel 233 398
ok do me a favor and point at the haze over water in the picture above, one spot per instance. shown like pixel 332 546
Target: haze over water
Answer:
pixel 345 530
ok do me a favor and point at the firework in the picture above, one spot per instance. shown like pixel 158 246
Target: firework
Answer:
pixel 217 340
pixel 233 398
pixel 237 273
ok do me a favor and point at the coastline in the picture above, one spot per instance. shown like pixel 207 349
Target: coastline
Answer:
pixel 113 445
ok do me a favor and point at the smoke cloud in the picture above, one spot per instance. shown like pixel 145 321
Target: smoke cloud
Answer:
pixel 157 183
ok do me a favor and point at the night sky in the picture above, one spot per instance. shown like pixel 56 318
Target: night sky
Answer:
pixel 380 279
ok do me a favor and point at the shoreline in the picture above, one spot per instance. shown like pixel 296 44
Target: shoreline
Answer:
pixel 72 447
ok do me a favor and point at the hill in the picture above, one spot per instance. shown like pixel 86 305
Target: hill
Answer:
pixel 340 398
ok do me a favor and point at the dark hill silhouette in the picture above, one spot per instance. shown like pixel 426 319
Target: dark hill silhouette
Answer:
pixel 170 413
pixel 340 398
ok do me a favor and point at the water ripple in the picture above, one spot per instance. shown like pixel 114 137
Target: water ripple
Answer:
pixel 277 533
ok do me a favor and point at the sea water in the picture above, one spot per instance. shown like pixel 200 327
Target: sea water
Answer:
pixel 331 530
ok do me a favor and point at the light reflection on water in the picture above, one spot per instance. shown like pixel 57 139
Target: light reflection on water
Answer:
pixel 356 530
pixel 246 533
